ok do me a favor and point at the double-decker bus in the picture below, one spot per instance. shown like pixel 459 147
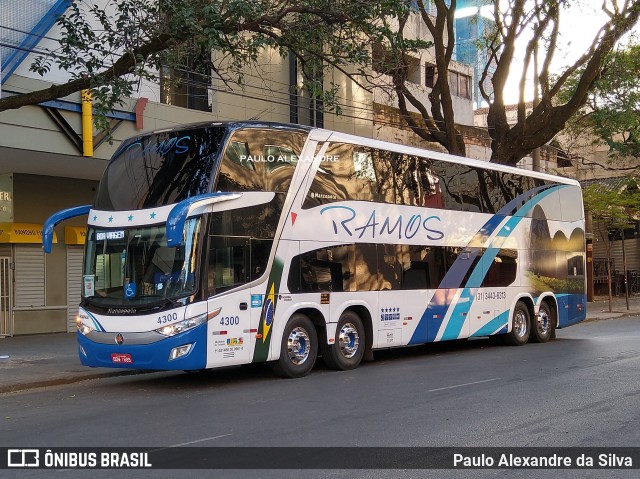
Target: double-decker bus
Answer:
pixel 220 244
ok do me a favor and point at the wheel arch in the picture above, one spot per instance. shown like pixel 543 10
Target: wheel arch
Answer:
pixel 314 314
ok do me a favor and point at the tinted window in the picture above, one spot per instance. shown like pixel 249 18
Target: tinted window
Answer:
pixel 424 267
pixel 345 173
pixel 325 269
pixel 234 261
pixel 160 169
pixel 354 172
pixel 259 221
pixel 503 269
pixel 367 267
pixel 260 160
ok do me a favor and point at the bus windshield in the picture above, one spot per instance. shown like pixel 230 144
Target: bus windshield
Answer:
pixel 135 267
pixel 160 169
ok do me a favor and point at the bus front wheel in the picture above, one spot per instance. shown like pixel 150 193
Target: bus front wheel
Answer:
pixel 348 348
pixel 520 327
pixel 299 348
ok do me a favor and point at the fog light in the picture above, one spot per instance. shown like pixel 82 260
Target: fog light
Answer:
pixel 180 351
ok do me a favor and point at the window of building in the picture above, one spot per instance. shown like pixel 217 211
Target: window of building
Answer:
pixel 413 69
pixel 460 85
pixel 430 76
pixel 382 60
pixel 184 87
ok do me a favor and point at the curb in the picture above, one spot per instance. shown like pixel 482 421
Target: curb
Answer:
pixel 25 386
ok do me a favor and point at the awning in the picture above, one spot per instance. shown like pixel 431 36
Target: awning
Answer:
pixel 75 234
pixel 22 233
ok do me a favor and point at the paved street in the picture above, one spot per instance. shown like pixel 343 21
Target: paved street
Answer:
pixel 580 390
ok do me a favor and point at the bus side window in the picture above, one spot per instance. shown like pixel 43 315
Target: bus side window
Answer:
pixel 424 267
pixel 324 269
pixel 390 266
pixel 260 249
pixel 260 160
pixel 228 263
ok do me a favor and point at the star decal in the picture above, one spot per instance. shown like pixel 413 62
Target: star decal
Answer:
pixel 110 219
pixel 152 215
pixel 130 217
pixel 95 217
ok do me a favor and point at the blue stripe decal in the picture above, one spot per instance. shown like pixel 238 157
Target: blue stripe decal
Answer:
pixel 496 325
pixel 459 315
pixel 434 315
pixel 96 324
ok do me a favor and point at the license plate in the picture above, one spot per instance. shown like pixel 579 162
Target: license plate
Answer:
pixel 120 358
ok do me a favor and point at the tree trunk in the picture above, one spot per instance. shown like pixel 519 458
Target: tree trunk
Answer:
pixel 624 270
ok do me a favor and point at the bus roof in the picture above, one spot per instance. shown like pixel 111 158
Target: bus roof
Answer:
pixel 326 135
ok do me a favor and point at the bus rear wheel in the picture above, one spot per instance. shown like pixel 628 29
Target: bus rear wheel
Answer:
pixel 348 348
pixel 543 325
pixel 299 348
pixel 520 327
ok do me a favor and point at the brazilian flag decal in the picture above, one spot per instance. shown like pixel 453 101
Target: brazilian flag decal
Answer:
pixel 263 338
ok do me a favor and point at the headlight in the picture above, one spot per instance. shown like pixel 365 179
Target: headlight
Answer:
pixel 82 327
pixel 182 326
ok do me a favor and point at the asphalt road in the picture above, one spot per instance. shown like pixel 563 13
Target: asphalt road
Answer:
pixel 582 389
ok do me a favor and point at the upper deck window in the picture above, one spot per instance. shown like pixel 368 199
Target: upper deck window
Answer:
pixel 160 169
pixel 260 160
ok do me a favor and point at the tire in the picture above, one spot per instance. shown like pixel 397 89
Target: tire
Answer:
pixel 298 350
pixel 520 327
pixel 543 325
pixel 347 350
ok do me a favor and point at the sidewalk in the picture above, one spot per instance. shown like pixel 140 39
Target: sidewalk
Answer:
pixel 41 360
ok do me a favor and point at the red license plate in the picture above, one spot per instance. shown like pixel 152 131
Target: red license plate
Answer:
pixel 120 358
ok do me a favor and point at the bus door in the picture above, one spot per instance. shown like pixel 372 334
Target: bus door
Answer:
pixel 229 329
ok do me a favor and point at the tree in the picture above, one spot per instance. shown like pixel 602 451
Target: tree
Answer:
pixel 611 115
pixel 138 37
pixel 612 211
pixel 514 20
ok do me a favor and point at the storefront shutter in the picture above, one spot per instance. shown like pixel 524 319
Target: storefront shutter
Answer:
pixel 30 276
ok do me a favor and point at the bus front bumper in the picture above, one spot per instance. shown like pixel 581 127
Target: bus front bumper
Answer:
pixel 185 351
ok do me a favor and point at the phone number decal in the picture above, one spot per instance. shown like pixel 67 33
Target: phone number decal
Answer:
pixel 490 295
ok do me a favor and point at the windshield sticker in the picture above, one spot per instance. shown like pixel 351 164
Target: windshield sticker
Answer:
pixel 89 283
pixel 130 290
pixel 109 235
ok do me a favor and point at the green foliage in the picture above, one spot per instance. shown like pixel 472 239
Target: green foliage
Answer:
pixel 545 283
pixel 136 38
pixel 616 209
pixel 616 117
pixel 612 113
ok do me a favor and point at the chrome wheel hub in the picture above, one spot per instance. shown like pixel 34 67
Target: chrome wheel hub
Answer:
pixel 348 340
pixel 298 346
pixel 520 324
pixel 543 323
